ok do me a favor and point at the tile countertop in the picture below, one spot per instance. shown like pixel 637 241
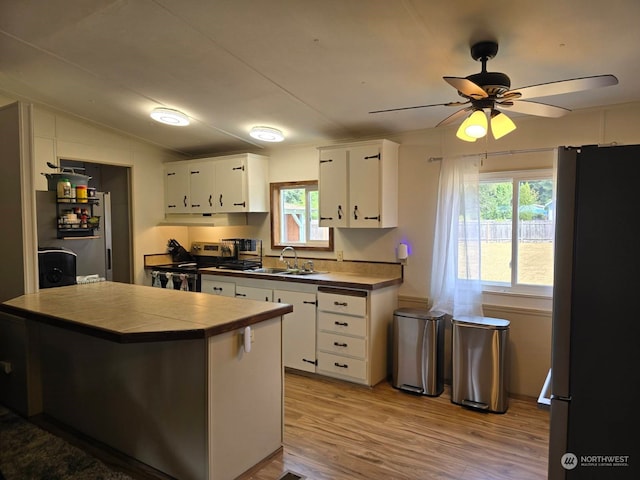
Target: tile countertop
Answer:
pixel 127 313
pixel 364 281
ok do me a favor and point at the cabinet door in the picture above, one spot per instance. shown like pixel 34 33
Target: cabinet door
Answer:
pixel 298 330
pixel 364 186
pixel 176 188
pixel 202 187
pixel 332 188
pixel 231 182
pixel 215 287
pixel 254 293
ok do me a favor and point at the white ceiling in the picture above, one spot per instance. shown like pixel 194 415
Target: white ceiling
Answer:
pixel 313 68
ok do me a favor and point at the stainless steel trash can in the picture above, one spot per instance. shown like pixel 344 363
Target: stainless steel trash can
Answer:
pixel 480 363
pixel 418 353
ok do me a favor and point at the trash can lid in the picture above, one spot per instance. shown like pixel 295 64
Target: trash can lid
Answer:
pixel 421 313
pixel 487 322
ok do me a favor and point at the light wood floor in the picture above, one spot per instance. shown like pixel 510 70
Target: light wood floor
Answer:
pixel 335 430
pixel 338 431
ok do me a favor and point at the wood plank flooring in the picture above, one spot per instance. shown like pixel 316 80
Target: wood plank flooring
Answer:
pixel 338 431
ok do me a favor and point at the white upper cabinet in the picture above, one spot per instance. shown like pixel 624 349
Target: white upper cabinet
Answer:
pixel 242 184
pixel 176 187
pixel 202 186
pixel 332 186
pixel 358 185
pixel 234 183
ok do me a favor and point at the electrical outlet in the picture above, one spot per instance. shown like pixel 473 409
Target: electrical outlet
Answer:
pixel 339 255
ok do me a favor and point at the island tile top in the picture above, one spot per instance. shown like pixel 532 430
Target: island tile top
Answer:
pixel 134 313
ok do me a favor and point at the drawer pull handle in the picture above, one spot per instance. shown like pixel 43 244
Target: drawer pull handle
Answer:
pixel 340 304
pixel 314 362
pixel 216 289
pixel 342 324
pixel 341 365
pixel 241 294
pixel 338 344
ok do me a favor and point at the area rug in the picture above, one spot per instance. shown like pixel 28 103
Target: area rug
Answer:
pixel 29 453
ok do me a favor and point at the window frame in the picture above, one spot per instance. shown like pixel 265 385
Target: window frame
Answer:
pixel 515 177
pixel 276 241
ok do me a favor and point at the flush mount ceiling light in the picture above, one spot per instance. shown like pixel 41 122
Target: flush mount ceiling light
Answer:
pixel 267 134
pixel 170 117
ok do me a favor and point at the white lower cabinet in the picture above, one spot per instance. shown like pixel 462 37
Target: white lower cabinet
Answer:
pixel 342 333
pixel 215 287
pixel 298 330
pixel 337 332
pixel 254 293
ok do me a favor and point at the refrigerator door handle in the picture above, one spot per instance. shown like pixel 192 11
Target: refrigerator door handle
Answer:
pixel 108 259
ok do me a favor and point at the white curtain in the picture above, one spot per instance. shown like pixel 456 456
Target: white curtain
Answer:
pixel 455 277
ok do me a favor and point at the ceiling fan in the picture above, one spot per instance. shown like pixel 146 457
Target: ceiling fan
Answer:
pixel 490 92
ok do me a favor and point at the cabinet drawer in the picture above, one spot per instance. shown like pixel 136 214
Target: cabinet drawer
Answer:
pixel 345 304
pixel 215 287
pixel 343 324
pixel 342 345
pixel 342 366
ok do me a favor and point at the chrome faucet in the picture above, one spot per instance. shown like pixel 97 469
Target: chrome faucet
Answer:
pixel 295 261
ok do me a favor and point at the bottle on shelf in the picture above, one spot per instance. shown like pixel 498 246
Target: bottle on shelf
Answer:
pixel 81 194
pixel 63 189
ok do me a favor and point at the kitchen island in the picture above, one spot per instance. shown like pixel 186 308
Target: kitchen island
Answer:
pixel 161 376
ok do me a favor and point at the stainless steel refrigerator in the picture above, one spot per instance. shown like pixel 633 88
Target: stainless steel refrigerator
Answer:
pixel 596 333
pixel 94 251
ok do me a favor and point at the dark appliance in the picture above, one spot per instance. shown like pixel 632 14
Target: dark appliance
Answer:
pixel 595 325
pixel 56 267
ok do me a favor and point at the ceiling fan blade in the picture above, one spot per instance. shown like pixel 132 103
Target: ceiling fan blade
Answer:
pixel 448 104
pixel 454 116
pixel 466 87
pixel 533 108
pixel 565 86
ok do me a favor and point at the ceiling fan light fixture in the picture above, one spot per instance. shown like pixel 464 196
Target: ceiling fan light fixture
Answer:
pixel 501 124
pixel 476 124
pixel 267 134
pixel 461 132
pixel 170 116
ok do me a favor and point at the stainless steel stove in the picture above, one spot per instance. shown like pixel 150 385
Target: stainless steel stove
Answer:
pixel 230 254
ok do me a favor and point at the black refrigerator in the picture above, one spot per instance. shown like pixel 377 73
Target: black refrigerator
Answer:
pixel 596 302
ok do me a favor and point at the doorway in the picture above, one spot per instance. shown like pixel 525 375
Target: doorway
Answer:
pixel 116 180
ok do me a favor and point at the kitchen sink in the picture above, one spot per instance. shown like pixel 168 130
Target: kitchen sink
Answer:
pixel 302 272
pixel 269 270
pixel 284 271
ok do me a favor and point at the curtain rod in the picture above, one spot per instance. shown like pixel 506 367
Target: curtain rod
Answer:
pixel 497 154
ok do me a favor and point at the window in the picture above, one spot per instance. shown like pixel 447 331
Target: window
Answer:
pixel 295 217
pixel 516 231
